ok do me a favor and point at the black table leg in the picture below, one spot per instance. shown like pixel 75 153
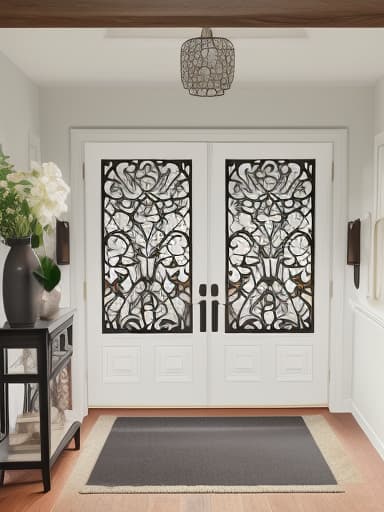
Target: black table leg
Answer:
pixel 77 439
pixel 46 472
pixel 45 414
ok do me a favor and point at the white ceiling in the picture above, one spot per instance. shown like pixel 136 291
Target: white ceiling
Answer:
pixel 124 56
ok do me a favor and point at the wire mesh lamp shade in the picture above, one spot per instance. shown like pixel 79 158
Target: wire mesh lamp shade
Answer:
pixel 207 64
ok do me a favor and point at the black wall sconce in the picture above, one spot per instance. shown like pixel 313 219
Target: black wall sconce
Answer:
pixel 353 253
pixel 62 242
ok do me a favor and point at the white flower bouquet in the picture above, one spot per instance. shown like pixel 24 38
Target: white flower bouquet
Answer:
pixel 30 201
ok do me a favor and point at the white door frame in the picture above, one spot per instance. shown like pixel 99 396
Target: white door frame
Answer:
pixel 337 401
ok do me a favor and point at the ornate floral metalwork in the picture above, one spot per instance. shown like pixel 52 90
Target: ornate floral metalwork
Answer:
pixel 147 231
pixel 270 245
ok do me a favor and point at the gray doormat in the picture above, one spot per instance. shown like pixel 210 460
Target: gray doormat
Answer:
pixel 214 454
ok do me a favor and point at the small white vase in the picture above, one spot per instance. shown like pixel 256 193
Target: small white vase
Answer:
pixel 50 303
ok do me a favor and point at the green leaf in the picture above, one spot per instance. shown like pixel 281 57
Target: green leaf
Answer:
pixel 36 241
pixel 49 274
pixel 4 164
pixel 4 173
pixel 25 210
pixel 37 234
pixel 38 229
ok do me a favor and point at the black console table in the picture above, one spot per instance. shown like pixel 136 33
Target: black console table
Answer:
pixel 36 416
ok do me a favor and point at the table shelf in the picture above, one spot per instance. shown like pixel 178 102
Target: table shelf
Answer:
pixel 36 417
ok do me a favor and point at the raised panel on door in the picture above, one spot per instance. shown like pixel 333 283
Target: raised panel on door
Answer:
pixel 269 254
pixel 146 256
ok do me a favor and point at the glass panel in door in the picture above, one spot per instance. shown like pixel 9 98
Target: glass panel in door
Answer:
pixel 270 245
pixel 147 242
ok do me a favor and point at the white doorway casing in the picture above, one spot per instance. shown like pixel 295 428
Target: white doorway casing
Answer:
pixel 337 137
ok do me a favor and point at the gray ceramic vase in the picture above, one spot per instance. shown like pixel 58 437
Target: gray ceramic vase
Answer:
pixel 21 290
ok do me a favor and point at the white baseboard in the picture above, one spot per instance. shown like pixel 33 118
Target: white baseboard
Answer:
pixel 368 430
pixel 338 406
pixel 347 405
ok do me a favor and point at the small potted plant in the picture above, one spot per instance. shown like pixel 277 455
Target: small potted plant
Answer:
pixel 49 276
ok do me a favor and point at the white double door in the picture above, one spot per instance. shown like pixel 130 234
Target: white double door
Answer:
pixel 208 270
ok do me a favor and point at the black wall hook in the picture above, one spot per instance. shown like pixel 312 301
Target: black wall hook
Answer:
pixel 353 249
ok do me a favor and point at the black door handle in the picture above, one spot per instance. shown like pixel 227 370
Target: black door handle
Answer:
pixel 203 308
pixel 215 308
pixel 203 315
pixel 215 315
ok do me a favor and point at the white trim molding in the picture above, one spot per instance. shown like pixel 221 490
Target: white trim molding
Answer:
pixel 373 312
pixel 337 136
pixel 368 377
pixel 376 284
pixel 377 443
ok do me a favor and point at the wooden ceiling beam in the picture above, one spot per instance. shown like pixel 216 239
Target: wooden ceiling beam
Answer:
pixel 191 13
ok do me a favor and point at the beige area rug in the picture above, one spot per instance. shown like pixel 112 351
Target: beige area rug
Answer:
pixel 338 461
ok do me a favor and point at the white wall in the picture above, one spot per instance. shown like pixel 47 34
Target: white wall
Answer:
pixel 19 122
pixel 368 335
pixel 248 107
pixel 378 118
pixel 368 376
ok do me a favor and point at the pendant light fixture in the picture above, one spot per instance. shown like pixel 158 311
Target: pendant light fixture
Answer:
pixel 207 64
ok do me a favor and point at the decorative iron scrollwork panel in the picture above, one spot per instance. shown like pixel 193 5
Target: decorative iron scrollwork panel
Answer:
pixel 270 245
pixel 147 251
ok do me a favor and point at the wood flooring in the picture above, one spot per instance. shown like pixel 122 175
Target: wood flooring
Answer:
pixel 22 491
